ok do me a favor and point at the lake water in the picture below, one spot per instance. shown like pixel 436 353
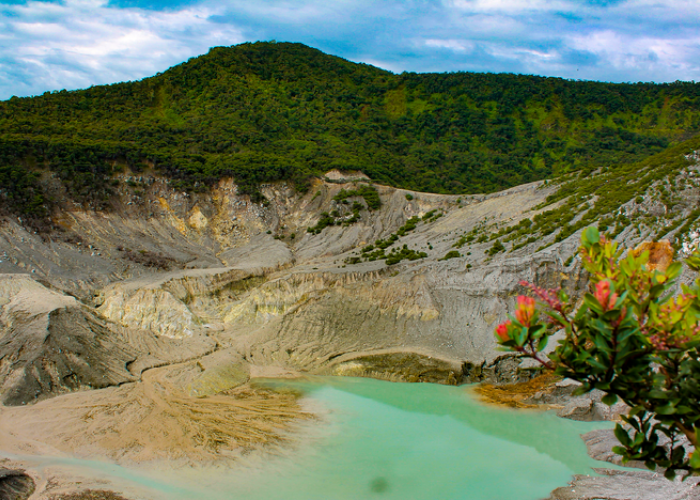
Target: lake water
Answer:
pixel 382 440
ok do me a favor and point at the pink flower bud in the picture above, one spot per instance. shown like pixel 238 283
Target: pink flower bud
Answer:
pixel 526 310
pixel 502 331
pixel 603 296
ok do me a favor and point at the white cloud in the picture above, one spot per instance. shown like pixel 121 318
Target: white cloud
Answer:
pixel 679 11
pixel 642 53
pixel 84 42
pixel 456 45
pixel 509 6
pixel 522 54
pixel 301 11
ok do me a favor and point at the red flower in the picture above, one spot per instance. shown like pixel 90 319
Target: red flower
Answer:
pixel 502 331
pixel 602 294
pixel 526 310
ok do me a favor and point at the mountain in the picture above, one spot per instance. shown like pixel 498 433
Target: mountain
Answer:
pixel 265 112
pixel 205 240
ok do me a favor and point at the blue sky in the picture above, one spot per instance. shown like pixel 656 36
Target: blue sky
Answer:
pixel 52 45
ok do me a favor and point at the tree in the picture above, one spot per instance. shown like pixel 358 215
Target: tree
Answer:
pixel 632 338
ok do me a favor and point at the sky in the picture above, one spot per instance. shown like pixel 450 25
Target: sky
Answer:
pixel 72 44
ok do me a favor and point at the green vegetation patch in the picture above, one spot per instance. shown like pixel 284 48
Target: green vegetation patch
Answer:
pixel 337 217
pixel 369 193
pixel 404 253
pixel 452 254
pixel 377 251
pixel 267 112
pixel 496 248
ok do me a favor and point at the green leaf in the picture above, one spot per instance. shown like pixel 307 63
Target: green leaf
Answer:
pixel 602 343
pixel 678 454
pixel 666 410
pixel 695 459
pixel 537 331
pixel 610 399
pixel 694 261
pixel 597 364
pixel 592 303
pixel 611 315
pixel 556 316
pixel 639 438
pixel 637 410
pixel 622 436
pixel 658 394
pixel 590 236
pixel 581 313
pixel 674 270
pixel 619 450
pixel 625 333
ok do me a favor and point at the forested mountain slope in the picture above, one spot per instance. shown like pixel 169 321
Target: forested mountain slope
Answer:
pixel 280 111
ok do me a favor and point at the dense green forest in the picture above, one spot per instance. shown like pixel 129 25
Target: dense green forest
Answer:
pixel 281 111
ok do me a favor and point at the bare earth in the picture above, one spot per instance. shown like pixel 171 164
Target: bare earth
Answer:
pixel 154 421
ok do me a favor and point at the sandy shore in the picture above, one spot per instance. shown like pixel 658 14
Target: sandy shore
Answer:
pixel 152 425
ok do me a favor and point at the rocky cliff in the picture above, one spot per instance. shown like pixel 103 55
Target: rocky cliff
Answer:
pixel 329 281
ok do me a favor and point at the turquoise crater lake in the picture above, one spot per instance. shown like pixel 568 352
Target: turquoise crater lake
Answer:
pixel 390 441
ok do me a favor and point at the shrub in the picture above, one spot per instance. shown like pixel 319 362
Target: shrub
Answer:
pixel 397 256
pixel 369 193
pixel 461 242
pixel 496 248
pixel 632 339
pixel 325 221
pixel 452 254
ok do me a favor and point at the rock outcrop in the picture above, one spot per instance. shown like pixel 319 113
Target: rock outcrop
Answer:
pixel 50 343
pixel 619 485
pixel 15 484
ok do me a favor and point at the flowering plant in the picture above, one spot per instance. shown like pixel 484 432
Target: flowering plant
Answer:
pixel 633 339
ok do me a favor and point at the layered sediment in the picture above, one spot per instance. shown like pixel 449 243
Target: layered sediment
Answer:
pixel 175 277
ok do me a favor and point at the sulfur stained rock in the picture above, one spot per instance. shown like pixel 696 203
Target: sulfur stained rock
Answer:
pixel 660 253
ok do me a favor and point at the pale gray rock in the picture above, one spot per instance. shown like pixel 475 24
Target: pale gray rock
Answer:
pixel 585 407
pixel 623 485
